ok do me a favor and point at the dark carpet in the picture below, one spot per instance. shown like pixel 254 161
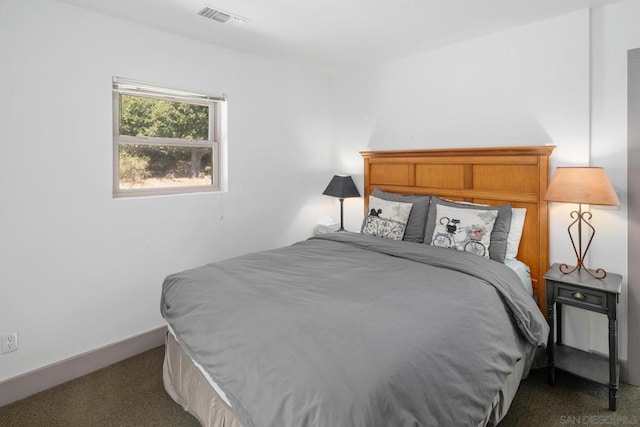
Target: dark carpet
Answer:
pixel 572 402
pixel 130 393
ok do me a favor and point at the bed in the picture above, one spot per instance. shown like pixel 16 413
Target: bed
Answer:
pixel 354 329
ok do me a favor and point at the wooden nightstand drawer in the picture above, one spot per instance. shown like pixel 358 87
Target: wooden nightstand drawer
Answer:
pixel 580 297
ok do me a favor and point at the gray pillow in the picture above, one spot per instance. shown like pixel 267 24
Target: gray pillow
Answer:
pixel 498 245
pixel 418 216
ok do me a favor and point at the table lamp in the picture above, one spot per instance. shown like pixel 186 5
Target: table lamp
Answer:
pixel 341 187
pixel 581 185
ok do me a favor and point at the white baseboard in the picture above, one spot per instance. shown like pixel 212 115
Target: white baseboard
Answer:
pixel 24 385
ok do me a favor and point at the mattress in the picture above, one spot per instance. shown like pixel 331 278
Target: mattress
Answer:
pixel 523 272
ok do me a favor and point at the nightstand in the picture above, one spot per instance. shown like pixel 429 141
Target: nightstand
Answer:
pixel 580 290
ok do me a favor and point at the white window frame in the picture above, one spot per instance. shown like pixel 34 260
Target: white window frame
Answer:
pixel 217 130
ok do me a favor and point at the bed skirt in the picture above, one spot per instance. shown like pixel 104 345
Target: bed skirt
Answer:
pixel 184 382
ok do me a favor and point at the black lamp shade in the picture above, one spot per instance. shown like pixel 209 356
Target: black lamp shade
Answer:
pixel 341 187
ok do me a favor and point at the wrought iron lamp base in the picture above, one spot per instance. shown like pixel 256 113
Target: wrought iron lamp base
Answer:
pixel 598 273
pixel 580 217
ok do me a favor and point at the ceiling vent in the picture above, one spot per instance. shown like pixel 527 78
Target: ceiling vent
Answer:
pixel 222 17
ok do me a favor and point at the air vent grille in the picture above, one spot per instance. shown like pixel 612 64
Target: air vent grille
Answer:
pixel 222 16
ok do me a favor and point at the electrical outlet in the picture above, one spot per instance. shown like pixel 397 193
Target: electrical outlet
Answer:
pixel 9 343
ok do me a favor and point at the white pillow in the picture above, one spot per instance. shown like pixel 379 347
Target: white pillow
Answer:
pixel 386 219
pixel 464 229
pixel 515 231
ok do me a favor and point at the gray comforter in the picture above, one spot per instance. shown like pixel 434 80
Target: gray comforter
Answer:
pixel 349 330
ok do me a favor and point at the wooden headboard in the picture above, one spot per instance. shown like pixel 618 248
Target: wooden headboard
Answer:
pixel 493 176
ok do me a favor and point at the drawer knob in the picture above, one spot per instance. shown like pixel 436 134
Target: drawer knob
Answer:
pixel 578 295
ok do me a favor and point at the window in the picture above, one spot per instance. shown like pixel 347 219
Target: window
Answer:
pixel 165 141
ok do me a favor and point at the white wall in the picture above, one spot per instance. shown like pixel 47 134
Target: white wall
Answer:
pixel 80 269
pixel 526 86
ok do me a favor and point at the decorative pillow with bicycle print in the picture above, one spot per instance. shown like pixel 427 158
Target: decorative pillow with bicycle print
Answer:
pixel 466 230
pixel 386 219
